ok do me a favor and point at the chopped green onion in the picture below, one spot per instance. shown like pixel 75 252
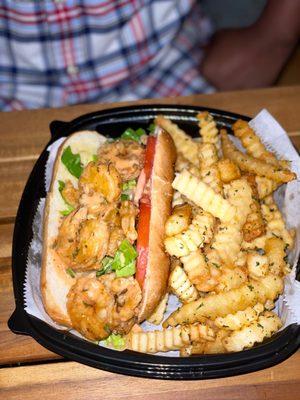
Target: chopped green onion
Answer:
pixel 131 134
pixel 117 341
pixel 151 128
pixel 70 272
pixel 95 157
pixel 72 162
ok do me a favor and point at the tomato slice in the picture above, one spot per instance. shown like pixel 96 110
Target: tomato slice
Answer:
pixel 143 242
pixel 149 156
pixel 145 215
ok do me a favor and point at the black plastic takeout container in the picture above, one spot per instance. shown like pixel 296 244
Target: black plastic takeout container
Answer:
pixel 113 122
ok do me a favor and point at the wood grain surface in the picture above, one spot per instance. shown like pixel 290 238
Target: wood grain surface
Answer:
pixel 23 135
pixel 72 381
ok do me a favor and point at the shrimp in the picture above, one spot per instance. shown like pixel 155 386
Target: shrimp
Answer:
pixel 116 237
pixel 128 213
pixel 101 181
pixel 126 155
pixel 82 242
pixel 70 194
pixel 100 306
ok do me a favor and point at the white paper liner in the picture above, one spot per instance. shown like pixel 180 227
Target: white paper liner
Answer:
pixel 288 198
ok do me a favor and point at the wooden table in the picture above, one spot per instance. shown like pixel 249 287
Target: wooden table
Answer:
pixel 31 372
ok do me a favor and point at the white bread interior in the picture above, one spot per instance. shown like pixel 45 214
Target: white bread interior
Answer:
pixel 55 282
pixel 157 271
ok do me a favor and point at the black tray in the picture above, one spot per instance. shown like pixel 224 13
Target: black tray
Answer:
pixel 112 123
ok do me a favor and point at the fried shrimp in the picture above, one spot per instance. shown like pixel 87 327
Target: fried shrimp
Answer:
pixel 70 194
pixel 100 306
pixel 82 242
pixel 128 213
pixel 126 155
pixel 102 180
pixel 115 239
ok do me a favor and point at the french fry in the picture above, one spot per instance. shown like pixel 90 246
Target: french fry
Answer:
pixel 239 194
pixel 208 128
pixel 265 186
pixel 183 142
pixel 208 155
pixel 269 305
pixel 204 196
pixel 231 278
pixel 229 171
pixel 255 225
pixel 275 221
pixel 202 273
pixel 252 143
pixel 236 321
pixel 177 199
pixel 171 339
pixel 182 286
pixel 241 259
pixel 256 244
pixel 253 165
pixel 179 220
pixel 196 268
pixel 183 163
pixel 219 305
pixel 264 327
pixel 211 176
pixel 199 232
pixel 227 242
pixel 228 238
pixel 275 252
pixel 205 347
pixel 258 265
pixel 158 314
pixel 209 171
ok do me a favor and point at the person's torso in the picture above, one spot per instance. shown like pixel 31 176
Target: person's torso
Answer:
pixel 57 52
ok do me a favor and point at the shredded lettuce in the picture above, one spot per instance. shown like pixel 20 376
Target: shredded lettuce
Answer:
pixel 151 128
pixel 131 134
pixel 72 162
pixel 125 197
pixel 129 185
pixel 127 188
pixel 123 263
pixel 106 266
pixel 128 250
pixel 70 272
pixel 128 270
pixel 116 341
pixel 69 209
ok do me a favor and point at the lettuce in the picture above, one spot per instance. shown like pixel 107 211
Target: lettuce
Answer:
pixel 72 162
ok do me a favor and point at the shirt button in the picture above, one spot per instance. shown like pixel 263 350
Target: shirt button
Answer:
pixel 72 70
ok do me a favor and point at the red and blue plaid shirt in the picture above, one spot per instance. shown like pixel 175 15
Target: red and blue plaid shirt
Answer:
pixel 59 52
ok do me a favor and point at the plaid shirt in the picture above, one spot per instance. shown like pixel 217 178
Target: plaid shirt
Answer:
pixel 59 52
